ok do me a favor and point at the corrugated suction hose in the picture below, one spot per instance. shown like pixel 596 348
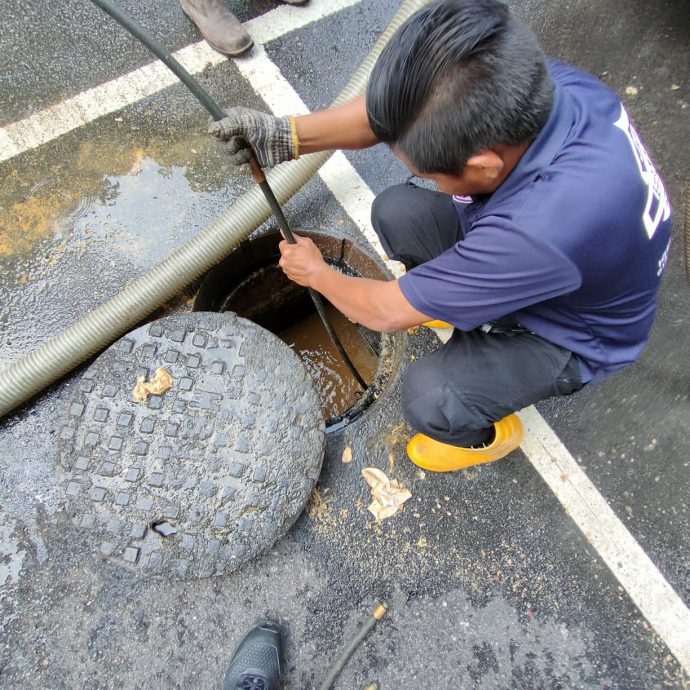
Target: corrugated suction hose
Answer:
pixel 59 355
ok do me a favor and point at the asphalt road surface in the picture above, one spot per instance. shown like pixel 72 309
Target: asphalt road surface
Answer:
pixel 565 565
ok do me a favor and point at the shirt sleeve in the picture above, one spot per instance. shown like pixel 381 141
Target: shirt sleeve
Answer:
pixel 496 270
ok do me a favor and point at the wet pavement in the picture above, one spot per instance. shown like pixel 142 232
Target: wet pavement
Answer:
pixel 491 584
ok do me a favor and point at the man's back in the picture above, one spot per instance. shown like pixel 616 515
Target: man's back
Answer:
pixel 616 222
pixel 572 244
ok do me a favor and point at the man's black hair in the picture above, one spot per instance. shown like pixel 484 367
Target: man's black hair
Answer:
pixel 459 76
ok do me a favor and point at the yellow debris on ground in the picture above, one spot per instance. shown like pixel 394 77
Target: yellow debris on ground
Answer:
pixel 161 382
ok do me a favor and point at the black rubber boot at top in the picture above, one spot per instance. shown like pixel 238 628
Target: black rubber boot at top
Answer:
pixel 255 665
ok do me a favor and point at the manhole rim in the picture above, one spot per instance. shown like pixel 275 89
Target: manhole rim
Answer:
pixel 389 367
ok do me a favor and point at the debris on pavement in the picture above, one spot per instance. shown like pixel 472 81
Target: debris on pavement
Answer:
pixel 161 382
pixel 347 454
pixel 388 495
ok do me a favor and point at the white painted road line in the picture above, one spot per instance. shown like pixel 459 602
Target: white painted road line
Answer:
pixel 110 97
pixel 646 586
pixel 356 198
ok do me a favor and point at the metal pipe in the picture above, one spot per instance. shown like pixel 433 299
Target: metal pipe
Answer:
pixel 216 112
pixel 95 331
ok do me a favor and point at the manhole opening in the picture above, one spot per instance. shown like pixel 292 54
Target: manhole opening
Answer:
pixel 250 283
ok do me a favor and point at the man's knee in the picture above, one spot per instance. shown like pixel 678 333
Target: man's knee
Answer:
pixel 423 413
pixel 386 209
pixel 414 224
pixel 388 202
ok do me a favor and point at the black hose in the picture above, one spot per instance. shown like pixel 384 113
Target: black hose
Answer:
pixel 315 297
pixel 217 113
pixel 356 640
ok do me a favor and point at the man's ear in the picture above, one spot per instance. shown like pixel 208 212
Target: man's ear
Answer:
pixel 487 164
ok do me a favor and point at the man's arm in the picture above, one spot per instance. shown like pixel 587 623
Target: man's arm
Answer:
pixel 343 127
pixel 376 304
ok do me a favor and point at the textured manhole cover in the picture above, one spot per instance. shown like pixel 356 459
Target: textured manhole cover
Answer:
pixel 207 475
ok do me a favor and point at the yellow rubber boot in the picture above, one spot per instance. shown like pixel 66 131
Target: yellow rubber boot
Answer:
pixel 438 324
pixel 441 457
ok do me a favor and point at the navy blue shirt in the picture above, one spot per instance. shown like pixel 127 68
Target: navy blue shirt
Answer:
pixel 573 243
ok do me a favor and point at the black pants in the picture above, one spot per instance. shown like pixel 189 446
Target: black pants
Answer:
pixel 455 394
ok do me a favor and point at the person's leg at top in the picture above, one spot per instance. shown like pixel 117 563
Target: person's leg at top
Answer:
pixel 219 26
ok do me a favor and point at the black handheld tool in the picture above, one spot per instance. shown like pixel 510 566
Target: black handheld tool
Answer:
pixel 217 114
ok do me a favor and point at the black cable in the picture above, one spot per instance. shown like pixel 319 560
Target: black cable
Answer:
pixel 356 640
pixel 217 113
pixel 316 298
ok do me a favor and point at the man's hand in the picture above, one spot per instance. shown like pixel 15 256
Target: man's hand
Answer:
pixel 376 304
pixel 301 262
pixel 273 139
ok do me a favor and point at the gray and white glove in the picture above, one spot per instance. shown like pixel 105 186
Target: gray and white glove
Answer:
pixel 273 139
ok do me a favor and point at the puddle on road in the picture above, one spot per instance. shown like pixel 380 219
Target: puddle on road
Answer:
pixel 84 207
pixel 336 385
pixel 44 196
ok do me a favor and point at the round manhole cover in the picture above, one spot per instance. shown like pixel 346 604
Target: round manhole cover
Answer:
pixel 210 473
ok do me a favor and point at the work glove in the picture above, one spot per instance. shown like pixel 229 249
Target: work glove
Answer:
pixel 273 139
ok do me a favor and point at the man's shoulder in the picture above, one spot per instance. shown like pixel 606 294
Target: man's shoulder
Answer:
pixel 591 104
pixel 593 180
pixel 575 79
pixel 585 177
